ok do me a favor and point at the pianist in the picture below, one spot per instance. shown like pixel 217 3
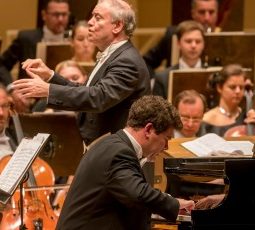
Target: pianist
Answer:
pixel 109 190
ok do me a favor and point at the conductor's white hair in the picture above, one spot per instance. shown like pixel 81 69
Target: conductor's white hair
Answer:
pixel 122 11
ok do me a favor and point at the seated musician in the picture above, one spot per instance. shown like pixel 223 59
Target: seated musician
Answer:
pixel 229 85
pixel 83 49
pixel 191 106
pixel 114 182
pixel 190 35
pixel 7 137
pixel 71 71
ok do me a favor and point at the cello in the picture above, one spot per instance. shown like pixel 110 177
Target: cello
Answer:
pixel 37 212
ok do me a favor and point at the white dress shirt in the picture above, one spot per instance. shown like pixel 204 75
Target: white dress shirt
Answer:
pixel 5 147
pixel 184 65
pixel 102 57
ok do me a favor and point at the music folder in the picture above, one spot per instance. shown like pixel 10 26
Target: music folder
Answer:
pixel 16 168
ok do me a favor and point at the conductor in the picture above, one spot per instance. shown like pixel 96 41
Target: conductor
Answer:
pixel 118 79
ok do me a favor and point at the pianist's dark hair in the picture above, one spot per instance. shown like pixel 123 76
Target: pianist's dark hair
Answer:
pixel 46 3
pixel 155 110
pixel 189 97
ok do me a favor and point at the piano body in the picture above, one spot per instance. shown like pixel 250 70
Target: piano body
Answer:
pixel 182 174
pixel 236 211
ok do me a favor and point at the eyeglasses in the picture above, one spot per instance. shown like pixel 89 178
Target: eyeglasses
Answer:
pixel 194 120
pixel 58 14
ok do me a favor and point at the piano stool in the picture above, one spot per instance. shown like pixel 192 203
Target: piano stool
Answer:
pixel 164 227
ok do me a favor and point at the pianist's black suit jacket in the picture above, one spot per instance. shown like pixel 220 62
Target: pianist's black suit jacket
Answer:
pixel 109 191
pixel 22 48
pixel 121 80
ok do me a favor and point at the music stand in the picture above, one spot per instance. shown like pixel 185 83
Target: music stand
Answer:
pixel 53 52
pixel 230 47
pixel 66 147
pixel 196 79
pixel 15 172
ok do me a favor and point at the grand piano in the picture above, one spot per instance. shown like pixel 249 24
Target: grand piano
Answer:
pixel 236 211
pixel 187 177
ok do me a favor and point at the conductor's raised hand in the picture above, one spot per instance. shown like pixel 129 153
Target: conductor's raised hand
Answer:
pixel 37 66
pixel 30 88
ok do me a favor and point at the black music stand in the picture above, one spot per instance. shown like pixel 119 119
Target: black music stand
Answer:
pixel 66 148
pixel 15 173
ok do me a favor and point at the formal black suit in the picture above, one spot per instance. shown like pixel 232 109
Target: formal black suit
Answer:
pixel 162 51
pixel 22 48
pixel 161 82
pixel 121 80
pixel 109 191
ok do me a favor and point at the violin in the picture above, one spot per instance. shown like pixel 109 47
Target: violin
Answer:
pixel 38 213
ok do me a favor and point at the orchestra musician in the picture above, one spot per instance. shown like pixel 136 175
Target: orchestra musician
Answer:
pixel 119 78
pixel 229 85
pixel 202 11
pixel 109 189
pixel 191 106
pixel 190 41
pixel 8 140
pixel 55 15
pixel 83 49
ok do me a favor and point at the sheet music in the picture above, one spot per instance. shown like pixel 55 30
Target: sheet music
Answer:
pixel 211 143
pixel 16 167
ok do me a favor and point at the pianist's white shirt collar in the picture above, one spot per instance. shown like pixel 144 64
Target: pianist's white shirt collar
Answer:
pixel 137 147
pixel 184 65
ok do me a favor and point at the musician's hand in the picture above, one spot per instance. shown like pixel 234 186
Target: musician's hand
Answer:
pixel 209 201
pixel 250 116
pixel 188 205
pixel 29 88
pixel 37 66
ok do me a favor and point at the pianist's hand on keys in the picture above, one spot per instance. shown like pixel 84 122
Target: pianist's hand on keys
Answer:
pixel 187 205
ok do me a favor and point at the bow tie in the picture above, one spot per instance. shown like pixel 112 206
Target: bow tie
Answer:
pixel 100 56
